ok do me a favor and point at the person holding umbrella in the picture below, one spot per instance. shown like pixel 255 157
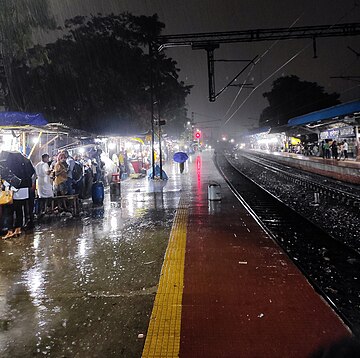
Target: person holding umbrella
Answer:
pixel 181 158
pixel 15 165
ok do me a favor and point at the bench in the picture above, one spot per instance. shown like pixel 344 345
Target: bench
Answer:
pixel 63 203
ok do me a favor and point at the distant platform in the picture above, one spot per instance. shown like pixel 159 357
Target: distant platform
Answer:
pixel 344 170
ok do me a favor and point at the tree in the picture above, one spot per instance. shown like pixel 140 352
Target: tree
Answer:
pixel 18 19
pixel 97 77
pixel 290 97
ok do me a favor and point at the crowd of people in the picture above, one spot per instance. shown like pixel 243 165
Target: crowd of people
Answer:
pixel 327 149
pixel 60 175
pixel 67 175
pixel 335 150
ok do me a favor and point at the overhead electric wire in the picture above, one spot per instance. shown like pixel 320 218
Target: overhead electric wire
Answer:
pixel 266 79
pixel 255 63
pixel 282 66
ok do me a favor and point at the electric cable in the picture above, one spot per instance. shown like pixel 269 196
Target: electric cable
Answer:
pixel 282 66
pixel 255 63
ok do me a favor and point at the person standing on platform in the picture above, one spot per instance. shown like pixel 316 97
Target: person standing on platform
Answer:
pixel 334 149
pixel 341 150
pixel 327 150
pixel 60 168
pixel 322 149
pixel 44 184
pixel 345 149
pixel 45 189
pixel 122 162
pixel 19 207
pixel 70 167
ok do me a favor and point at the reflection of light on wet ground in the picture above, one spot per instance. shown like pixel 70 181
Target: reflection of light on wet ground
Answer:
pixel 198 172
pixel 35 281
pixel 36 241
pixel 112 252
pixel 156 186
pixel 82 247
pixel 130 204
pixel 113 223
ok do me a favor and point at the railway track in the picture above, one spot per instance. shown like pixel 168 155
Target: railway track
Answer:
pixel 328 189
pixel 331 266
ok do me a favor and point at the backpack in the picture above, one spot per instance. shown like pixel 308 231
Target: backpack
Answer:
pixel 77 171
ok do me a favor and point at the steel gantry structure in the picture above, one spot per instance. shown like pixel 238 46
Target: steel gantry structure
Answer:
pixel 210 41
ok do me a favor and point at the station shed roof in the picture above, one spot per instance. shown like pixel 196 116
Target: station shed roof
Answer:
pixel 335 112
pixel 22 118
pixel 260 130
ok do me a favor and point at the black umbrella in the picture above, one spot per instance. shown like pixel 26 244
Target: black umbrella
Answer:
pixel 16 169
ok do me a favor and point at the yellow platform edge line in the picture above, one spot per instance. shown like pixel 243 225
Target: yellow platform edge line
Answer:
pixel 163 335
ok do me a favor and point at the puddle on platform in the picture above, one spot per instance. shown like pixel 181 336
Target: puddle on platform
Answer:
pixel 84 287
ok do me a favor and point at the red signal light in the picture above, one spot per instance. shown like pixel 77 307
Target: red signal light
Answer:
pixel 197 135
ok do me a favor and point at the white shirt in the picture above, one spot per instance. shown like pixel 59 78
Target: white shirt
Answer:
pixel 71 163
pixel 18 194
pixel 45 188
pixel 21 194
pixel 346 146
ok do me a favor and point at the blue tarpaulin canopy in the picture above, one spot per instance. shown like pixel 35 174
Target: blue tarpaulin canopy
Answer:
pixel 327 113
pixel 21 118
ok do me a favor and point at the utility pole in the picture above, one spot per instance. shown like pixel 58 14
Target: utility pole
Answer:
pixel 152 110
pixel 160 149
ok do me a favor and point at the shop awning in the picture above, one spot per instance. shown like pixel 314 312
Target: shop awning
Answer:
pixel 261 130
pixel 326 113
pixel 21 118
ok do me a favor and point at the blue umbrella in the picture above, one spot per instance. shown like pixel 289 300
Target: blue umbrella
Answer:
pixel 180 157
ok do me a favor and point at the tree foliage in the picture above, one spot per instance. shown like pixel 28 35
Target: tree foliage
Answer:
pixel 18 19
pixel 290 97
pixel 97 77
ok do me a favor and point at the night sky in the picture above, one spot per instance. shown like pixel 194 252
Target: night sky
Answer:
pixel 184 16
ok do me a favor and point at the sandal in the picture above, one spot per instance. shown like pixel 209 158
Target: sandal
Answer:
pixel 17 232
pixel 8 235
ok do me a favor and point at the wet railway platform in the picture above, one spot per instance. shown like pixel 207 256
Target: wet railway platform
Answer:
pixel 228 290
pixel 84 287
pixel 164 273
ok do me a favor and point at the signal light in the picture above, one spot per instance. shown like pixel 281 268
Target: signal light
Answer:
pixel 197 135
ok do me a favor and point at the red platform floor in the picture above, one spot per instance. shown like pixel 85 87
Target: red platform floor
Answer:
pixel 242 295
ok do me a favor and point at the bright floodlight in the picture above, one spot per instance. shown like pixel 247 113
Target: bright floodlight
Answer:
pixel 112 145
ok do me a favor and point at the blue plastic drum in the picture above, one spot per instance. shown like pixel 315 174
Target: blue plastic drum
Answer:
pixel 97 193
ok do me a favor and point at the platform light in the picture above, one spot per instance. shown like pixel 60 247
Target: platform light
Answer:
pixel 268 141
